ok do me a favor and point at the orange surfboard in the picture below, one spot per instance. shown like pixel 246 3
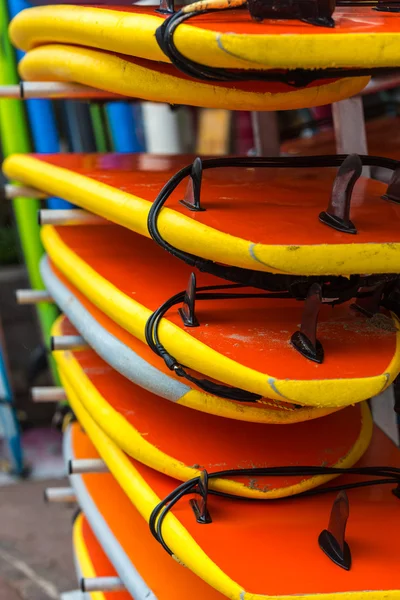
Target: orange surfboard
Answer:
pixel 121 54
pixel 91 560
pixel 135 361
pixel 229 39
pixel 147 571
pixel 178 442
pixel 241 342
pixel 279 533
pixel 262 219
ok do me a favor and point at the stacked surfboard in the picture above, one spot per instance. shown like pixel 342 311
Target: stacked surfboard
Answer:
pixel 225 321
pixel 219 59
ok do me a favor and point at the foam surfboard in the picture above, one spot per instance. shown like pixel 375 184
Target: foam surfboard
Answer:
pixel 240 342
pixel 91 561
pixel 263 219
pixel 124 535
pixel 276 532
pixel 161 82
pixel 228 39
pixel 134 360
pixel 150 430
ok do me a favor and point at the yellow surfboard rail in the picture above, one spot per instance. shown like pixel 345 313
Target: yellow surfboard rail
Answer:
pixel 114 73
pixel 270 412
pixel 82 555
pixel 133 316
pixel 182 544
pixel 133 443
pixel 187 234
pixel 134 34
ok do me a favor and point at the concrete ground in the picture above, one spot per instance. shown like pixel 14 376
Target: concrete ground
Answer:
pixel 35 543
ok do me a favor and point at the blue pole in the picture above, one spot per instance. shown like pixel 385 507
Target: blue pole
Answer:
pixel 125 126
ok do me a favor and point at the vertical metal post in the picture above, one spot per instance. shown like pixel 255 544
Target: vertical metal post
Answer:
pixel 266 133
pixel 349 124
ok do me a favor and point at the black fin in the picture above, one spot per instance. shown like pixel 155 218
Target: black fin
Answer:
pixel 370 305
pixel 393 189
pixel 187 310
pixel 314 12
pixel 305 341
pixel 166 7
pixel 200 506
pixel 193 189
pixel 396 393
pixel 332 540
pixel 337 215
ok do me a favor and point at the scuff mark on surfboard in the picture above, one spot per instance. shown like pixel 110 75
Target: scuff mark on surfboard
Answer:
pixel 271 383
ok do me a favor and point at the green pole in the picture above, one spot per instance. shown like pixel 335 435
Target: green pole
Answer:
pixel 15 139
pixel 96 115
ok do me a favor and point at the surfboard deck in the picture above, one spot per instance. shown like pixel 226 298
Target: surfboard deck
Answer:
pixel 150 430
pixel 91 561
pixel 244 343
pixel 383 139
pixel 219 552
pixel 161 82
pixel 135 361
pixel 228 39
pixel 263 219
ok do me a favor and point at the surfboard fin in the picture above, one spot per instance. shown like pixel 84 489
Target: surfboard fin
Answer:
pixel 396 407
pixel 332 540
pixel 370 305
pixel 315 12
pixel 305 341
pixel 200 506
pixel 393 190
pixel 193 189
pixel 383 6
pixel 166 7
pixel 187 310
pixel 337 216
pixel 396 491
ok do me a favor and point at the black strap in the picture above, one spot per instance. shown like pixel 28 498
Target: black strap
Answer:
pixel 385 475
pixel 214 293
pixel 257 279
pixel 297 78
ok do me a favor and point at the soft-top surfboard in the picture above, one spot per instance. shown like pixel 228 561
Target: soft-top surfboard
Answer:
pixel 161 82
pixel 262 219
pixel 145 569
pixel 228 39
pixel 383 138
pixel 152 431
pixel 91 561
pixel 135 361
pixel 242 342
pixel 244 552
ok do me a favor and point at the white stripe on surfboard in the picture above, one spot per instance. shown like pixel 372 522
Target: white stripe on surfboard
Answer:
pixel 121 562
pixel 111 349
